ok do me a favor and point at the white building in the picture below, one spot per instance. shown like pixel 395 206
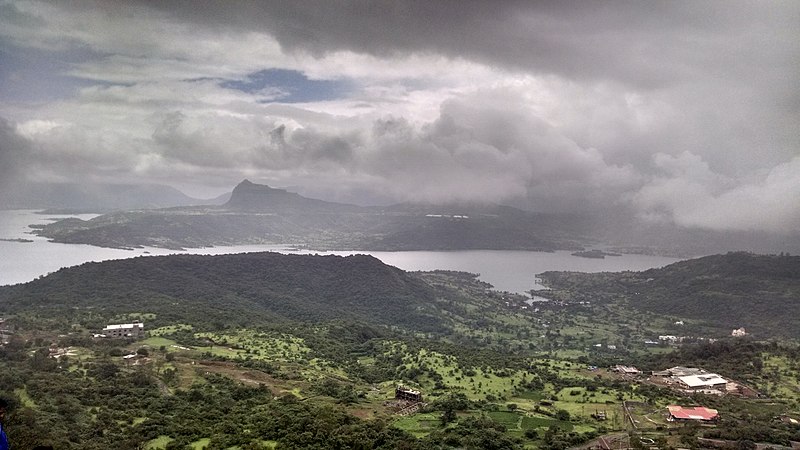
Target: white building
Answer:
pixel 627 370
pixel 705 381
pixel 133 330
pixel 739 332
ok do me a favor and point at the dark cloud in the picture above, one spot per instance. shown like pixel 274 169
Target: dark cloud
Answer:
pixel 13 150
pixel 727 70
pixel 642 43
pixel 684 111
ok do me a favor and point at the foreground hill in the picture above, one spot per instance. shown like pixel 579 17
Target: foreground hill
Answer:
pixel 244 289
pixel 758 292
pixel 257 214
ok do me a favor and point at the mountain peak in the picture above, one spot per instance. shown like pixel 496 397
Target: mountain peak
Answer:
pixel 249 195
pixel 260 197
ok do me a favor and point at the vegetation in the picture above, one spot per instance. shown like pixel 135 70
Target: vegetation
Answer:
pixel 285 351
pixel 724 292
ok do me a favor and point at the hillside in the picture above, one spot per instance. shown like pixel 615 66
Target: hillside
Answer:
pixel 758 292
pixel 245 289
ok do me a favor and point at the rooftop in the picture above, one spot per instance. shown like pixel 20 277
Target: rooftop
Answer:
pixel 124 325
pixel 709 379
pixel 692 413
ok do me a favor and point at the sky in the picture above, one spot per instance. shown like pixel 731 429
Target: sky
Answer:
pixel 682 112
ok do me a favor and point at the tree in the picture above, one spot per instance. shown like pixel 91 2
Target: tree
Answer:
pixel 448 415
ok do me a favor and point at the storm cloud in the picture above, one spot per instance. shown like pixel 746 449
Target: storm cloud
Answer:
pixel 683 112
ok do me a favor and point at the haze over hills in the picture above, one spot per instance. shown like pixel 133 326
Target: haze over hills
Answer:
pixel 96 197
pixel 259 214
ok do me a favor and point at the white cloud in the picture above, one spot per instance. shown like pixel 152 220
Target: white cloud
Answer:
pixel 546 105
pixel 691 195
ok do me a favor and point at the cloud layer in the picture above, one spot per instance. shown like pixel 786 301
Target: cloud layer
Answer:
pixel 685 112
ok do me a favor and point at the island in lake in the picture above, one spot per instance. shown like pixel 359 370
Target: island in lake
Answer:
pixel 597 254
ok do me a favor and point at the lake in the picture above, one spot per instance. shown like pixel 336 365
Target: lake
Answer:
pixel 513 271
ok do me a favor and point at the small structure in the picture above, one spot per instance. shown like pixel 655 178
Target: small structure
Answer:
pixel 6 331
pixel 627 370
pixel 404 393
pixel 739 332
pixel 705 381
pixel 698 413
pixel 679 371
pixel 134 330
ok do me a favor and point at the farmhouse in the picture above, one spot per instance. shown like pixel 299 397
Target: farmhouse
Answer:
pixel 698 413
pixel 404 393
pixel 133 330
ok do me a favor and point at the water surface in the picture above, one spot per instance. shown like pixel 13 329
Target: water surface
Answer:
pixel 513 271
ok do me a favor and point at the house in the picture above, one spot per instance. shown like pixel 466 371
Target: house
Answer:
pixel 739 332
pixel 404 393
pixel 698 413
pixel 704 381
pixel 134 330
pixel 627 370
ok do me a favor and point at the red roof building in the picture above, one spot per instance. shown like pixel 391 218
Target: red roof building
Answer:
pixel 694 413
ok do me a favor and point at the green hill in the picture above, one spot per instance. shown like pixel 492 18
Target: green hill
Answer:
pixel 758 292
pixel 244 288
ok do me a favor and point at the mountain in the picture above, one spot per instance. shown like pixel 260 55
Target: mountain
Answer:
pixel 738 289
pixel 257 214
pixel 249 288
pixel 248 196
pixel 93 196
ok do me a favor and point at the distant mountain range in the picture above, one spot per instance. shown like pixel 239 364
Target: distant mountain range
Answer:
pixel 94 197
pixel 259 214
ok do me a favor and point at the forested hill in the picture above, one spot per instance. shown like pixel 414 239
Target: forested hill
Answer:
pixel 758 292
pixel 240 289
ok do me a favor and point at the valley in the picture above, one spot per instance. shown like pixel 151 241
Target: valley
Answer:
pixel 266 350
